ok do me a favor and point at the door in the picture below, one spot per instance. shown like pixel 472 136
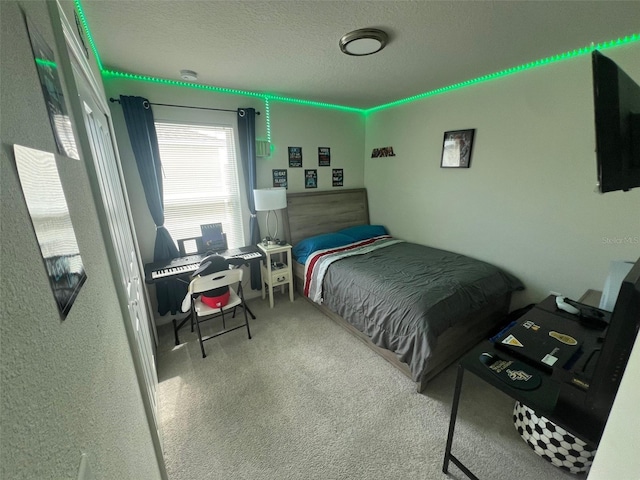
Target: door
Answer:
pixel 95 138
pixel 106 165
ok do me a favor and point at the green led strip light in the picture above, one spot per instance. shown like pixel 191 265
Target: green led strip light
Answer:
pixel 268 97
pixel 267 117
pixel 179 83
pixel 85 24
pixel 231 91
pixel 46 63
pixel 509 71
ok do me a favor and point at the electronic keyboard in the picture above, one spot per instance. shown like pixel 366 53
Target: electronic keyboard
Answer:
pixel 177 266
pixel 189 264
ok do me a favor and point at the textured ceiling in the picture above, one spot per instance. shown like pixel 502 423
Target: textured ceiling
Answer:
pixel 291 47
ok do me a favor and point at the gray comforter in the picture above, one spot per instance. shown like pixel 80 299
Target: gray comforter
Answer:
pixel 405 295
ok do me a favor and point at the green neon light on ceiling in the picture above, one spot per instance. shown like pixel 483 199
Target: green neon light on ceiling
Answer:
pixel 279 98
pixel 231 91
pixel 509 71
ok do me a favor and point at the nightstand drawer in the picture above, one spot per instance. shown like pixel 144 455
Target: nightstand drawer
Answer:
pixel 281 276
pixel 278 277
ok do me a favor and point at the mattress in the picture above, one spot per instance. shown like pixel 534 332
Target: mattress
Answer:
pixel 404 296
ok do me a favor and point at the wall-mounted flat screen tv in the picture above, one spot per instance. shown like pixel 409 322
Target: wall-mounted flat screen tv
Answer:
pixel 617 125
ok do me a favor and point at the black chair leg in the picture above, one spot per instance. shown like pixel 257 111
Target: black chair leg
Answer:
pixel 246 319
pixel 224 325
pixel 204 355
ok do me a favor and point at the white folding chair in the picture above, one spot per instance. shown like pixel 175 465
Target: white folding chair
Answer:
pixel 202 312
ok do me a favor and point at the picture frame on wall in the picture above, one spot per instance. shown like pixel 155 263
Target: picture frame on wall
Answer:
pixel 337 177
pixel 457 148
pixel 324 156
pixel 295 157
pixel 280 177
pixel 311 178
pixel 52 92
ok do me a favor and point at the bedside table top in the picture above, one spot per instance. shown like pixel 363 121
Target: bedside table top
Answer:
pixel 274 248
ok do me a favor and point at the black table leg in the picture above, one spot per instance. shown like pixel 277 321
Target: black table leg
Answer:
pixel 448 456
pixel 452 420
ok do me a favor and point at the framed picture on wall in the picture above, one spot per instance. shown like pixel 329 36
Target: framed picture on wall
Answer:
pixel 311 178
pixel 337 177
pixel 456 148
pixel 295 157
pixel 324 156
pixel 279 177
pixel 52 92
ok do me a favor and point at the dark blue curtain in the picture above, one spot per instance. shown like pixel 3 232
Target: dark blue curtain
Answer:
pixel 247 134
pixel 144 142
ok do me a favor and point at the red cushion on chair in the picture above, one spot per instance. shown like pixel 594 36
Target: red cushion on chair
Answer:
pixel 217 301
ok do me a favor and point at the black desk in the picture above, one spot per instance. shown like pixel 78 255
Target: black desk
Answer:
pixel 555 398
pixel 181 269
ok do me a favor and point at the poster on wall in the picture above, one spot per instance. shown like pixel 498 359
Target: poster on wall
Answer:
pixel 52 92
pixel 324 156
pixel 47 206
pixel 382 152
pixel 337 177
pixel 311 179
pixel 279 178
pixel 456 148
pixel 295 157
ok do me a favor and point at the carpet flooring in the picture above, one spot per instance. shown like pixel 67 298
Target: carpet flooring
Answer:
pixel 304 399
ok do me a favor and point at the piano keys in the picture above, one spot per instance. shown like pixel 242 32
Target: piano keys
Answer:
pixel 173 268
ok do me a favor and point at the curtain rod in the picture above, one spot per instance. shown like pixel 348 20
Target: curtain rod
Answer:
pixel 115 100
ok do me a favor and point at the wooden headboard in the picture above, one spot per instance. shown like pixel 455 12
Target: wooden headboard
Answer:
pixel 313 213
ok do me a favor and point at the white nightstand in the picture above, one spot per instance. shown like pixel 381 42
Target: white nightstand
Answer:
pixel 276 269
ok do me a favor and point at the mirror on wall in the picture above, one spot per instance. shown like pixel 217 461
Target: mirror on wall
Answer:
pixel 52 224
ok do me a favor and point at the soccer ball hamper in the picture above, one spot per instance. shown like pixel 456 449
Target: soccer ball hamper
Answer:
pixel 552 442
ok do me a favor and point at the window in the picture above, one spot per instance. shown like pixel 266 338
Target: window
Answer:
pixel 200 178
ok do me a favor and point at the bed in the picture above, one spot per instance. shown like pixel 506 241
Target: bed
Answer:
pixel 418 307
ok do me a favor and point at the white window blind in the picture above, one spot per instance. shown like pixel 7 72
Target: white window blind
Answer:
pixel 200 178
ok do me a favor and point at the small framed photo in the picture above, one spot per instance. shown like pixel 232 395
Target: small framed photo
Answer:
pixel 456 148
pixel 311 178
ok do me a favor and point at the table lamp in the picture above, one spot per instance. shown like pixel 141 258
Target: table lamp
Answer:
pixel 268 200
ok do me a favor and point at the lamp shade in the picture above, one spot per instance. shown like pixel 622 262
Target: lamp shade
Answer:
pixel 270 199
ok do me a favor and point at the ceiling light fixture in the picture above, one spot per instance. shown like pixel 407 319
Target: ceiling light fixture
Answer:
pixel 189 75
pixel 364 41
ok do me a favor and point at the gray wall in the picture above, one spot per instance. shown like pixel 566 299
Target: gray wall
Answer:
pixel 527 202
pixel 67 386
